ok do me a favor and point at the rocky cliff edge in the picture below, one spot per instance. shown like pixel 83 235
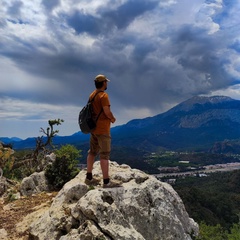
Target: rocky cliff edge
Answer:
pixel 143 208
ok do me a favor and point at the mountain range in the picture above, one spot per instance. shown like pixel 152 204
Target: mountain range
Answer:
pixel 197 124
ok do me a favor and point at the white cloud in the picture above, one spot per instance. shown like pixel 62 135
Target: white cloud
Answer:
pixel 232 91
pixel 156 54
pixel 205 17
pixel 26 117
pixel 128 114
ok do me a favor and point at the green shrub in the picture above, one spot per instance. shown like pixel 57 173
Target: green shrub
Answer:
pixel 235 232
pixel 208 232
pixel 64 168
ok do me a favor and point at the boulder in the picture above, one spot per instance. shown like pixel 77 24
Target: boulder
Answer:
pixel 49 159
pixel 9 189
pixel 35 183
pixel 144 208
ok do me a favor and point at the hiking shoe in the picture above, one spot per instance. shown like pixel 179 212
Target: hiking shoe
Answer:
pixel 112 184
pixel 92 182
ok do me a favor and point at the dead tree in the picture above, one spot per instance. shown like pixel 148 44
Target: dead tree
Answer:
pixel 45 141
pixel 6 156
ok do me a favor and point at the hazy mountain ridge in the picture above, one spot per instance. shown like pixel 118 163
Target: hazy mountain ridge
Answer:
pixel 7 140
pixel 197 123
pixel 201 100
pixel 196 107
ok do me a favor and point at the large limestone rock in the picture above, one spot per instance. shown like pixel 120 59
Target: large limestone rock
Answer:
pixel 35 183
pixel 143 208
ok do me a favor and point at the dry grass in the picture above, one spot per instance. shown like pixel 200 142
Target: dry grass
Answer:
pixel 16 216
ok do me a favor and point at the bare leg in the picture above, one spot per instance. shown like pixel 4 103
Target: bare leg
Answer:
pixel 90 162
pixel 105 168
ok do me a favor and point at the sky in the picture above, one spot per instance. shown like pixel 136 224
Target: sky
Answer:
pixel 156 54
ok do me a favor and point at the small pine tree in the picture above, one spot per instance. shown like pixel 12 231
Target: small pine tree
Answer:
pixel 64 168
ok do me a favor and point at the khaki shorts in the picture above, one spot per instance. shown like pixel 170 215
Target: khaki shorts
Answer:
pixel 100 144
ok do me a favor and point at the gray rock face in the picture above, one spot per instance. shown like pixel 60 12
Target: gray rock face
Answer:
pixel 35 183
pixel 143 208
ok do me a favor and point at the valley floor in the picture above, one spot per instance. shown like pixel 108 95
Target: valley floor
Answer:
pixel 203 172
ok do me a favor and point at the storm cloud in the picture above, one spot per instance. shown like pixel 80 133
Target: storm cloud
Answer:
pixel 156 54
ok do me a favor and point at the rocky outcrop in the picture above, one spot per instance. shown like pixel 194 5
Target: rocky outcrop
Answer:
pixel 35 183
pixel 8 186
pixel 143 208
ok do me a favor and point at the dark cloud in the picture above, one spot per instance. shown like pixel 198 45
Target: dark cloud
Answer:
pixel 108 20
pixel 50 5
pixel 198 53
pixel 128 12
pixel 82 22
pixel 152 56
pixel 15 9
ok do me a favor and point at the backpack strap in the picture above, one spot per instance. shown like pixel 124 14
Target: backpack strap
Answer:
pixel 91 100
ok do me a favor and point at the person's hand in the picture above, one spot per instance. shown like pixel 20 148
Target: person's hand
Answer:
pixel 113 120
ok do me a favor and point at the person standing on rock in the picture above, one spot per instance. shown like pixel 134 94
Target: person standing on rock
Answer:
pixel 100 139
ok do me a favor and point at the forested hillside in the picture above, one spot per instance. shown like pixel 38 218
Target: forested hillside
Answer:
pixel 214 199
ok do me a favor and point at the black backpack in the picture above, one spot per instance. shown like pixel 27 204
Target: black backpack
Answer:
pixel 85 120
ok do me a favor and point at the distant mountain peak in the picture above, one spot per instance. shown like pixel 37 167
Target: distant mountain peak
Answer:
pixel 205 99
pixel 200 100
pixel 7 140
